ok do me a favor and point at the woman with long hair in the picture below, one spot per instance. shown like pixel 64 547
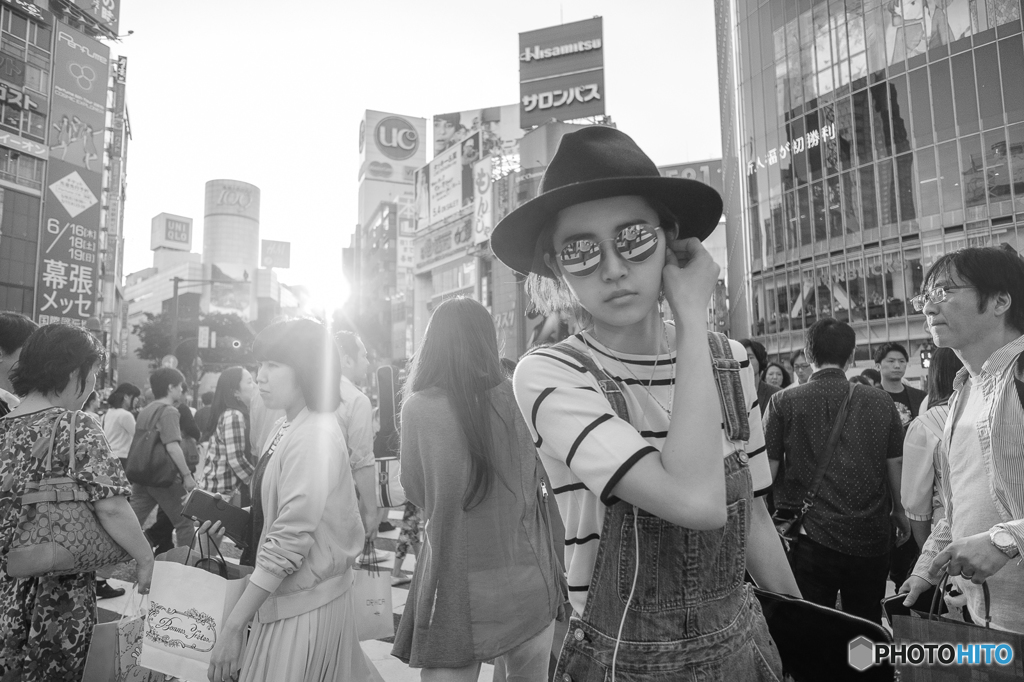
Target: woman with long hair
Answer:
pixel 47 621
pixel 229 462
pixel 919 485
pixel 306 526
pixel 656 458
pixel 487 583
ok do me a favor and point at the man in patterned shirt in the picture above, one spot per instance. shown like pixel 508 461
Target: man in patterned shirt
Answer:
pixel 844 543
pixel 974 303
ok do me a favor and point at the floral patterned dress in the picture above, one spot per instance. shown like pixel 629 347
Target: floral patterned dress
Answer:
pixel 46 623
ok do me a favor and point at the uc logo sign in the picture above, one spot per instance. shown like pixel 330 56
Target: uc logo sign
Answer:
pixel 396 138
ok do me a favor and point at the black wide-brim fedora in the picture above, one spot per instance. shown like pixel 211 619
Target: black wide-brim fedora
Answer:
pixel 599 162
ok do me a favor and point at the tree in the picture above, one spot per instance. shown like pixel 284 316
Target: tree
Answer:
pixel 155 334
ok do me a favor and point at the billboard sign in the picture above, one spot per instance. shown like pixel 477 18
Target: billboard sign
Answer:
pixel 105 12
pixel 498 126
pixel 227 197
pixel 391 146
pixel 561 72
pixel 445 174
pixel 20 144
pixel 168 231
pixel 443 244
pixel 708 172
pixel 231 291
pixel 79 100
pixel 275 254
pixel 483 205
pixel 69 263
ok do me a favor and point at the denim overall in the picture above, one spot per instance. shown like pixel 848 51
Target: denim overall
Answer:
pixel 692 616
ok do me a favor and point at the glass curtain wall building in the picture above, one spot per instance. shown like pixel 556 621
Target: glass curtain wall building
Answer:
pixel 863 139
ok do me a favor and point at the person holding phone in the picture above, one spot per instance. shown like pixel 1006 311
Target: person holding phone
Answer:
pixel 306 526
pixel 662 512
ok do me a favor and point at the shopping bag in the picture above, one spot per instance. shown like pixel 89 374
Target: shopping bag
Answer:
pixel 115 648
pixel 187 606
pixel 371 595
pixel 814 640
pixel 934 628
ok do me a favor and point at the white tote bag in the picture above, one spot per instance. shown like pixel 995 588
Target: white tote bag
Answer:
pixel 187 606
pixel 390 492
pixel 371 596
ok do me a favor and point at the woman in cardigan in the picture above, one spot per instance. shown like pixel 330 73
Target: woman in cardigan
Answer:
pixel 487 584
pixel 306 526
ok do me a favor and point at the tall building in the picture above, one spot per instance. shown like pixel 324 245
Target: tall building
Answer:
pixel 231 246
pixel 391 148
pixel 63 132
pixel 862 139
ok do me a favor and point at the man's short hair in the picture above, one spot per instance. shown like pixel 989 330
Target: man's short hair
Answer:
pixel 889 347
pixel 759 353
pixel 15 329
pixel 989 269
pixel 207 398
pixel 796 355
pixel 347 344
pixel 162 379
pixel 830 342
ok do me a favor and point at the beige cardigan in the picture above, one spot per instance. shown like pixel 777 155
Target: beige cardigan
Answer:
pixel 312 532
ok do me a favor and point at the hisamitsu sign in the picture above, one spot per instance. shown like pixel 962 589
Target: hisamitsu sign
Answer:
pixel 561 73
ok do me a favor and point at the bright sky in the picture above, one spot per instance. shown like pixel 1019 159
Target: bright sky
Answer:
pixel 272 93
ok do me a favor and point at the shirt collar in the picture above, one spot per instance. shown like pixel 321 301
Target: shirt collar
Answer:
pixel 828 373
pixel 996 363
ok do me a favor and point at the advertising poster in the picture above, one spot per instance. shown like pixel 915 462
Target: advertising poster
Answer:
pixel 276 254
pixel 391 146
pixel 232 291
pixel 561 72
pixel 105 12
pixel 445 184
pixel 483 207
pixel 469 154
pixel 422 197
pixel 498 126
pixel 78 106
pixel 69 265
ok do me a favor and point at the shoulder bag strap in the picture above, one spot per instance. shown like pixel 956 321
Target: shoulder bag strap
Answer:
pixel 71 441
pixel 48 462
pixel 830 448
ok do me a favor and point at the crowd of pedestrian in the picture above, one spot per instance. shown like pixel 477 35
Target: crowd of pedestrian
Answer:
pixel 620 487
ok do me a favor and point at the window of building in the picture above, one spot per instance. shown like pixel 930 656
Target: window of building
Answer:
pixel 36 78
pixel 868 204
pixel 913 276
pixel 942 101
pixel 990 97
pixel 875 293
pixel 819 212
pixel 792 219
pixel 972 168
pixel 997 167
pixel 927 181
pixel 880 120
pixel 965 93
pixel 16 299
pixel 1011 56
pixel 899 109
pixel 862 124
pixel 834 207
pixel 921 107
pixel 805 217
pixel 1015 150
pixel 851 202
pixel 949 183
pixel 905 184
pixel 887 194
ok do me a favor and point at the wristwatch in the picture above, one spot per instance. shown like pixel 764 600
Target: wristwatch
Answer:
pixel 1003 541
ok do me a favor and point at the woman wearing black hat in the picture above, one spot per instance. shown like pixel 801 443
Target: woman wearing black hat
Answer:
pixel 656 472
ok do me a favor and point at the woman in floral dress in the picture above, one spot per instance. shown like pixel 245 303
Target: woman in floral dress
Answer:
pixel 46 622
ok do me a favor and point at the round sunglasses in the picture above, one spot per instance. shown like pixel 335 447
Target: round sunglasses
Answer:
pixel 634 243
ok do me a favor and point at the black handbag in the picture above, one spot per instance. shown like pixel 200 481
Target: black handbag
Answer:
pixel 788 521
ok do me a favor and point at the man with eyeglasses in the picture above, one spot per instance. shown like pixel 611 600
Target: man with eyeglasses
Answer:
pixel 801 367
pixel 891 362
pixel 973 300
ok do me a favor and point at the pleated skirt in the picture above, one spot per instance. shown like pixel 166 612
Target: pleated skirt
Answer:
pixel 319 646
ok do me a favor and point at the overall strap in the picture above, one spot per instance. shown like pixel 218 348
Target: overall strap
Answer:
pixel 730 388
pixel 609 387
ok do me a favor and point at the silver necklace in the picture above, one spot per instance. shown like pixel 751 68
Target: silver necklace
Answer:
pixel 650 382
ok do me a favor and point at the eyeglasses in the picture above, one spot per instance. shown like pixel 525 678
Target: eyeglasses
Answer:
pixel 635 243
pixel 804 365
pixel 934 295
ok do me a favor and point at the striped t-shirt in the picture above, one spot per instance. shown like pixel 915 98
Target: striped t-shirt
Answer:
pixel 587 449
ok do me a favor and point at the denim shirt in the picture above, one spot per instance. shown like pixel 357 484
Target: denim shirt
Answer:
pixel 1001 432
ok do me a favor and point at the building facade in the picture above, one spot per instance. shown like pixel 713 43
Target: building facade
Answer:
pixel 861 140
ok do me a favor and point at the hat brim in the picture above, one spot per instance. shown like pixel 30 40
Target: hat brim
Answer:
pixel 696 206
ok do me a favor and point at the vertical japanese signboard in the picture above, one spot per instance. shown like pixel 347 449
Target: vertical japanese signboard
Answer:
pixel 69 241
pixel 105 12
pixel 66 290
